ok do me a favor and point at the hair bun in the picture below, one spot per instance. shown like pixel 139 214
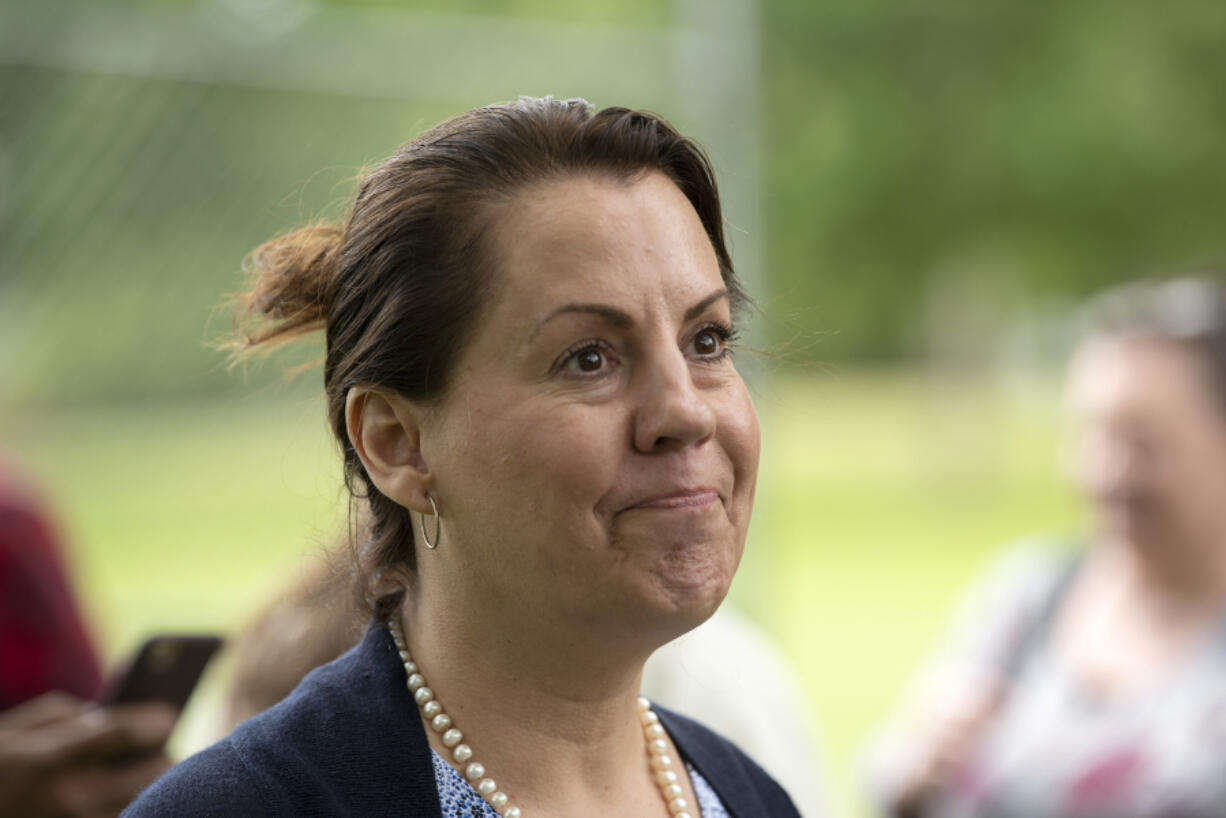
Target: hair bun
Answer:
pixel 292 278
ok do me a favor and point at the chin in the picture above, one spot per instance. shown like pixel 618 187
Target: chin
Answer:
pixel 1132 529
pixel 658 626
pixel 676 579
pixel 690 588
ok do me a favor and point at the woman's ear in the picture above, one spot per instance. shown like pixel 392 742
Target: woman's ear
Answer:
pixel 384 431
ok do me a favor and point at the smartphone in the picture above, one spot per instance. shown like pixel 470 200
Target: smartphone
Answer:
pixel 166 668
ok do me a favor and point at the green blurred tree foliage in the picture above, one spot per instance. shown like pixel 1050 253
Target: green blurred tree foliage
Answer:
pixel 908 149
pixel 1065 145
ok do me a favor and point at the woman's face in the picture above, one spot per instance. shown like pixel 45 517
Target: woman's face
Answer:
pixel 595 457
pixel 1151 444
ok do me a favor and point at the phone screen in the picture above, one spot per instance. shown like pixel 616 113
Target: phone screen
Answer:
pixel 166 668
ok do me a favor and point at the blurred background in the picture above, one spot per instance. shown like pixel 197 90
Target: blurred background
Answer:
pixel 919 194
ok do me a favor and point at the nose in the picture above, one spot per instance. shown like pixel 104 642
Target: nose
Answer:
pixel 672 412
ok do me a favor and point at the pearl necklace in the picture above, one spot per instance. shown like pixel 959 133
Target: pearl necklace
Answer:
pixel 474 771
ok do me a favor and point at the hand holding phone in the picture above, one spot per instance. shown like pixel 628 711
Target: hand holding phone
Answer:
pixel 61 757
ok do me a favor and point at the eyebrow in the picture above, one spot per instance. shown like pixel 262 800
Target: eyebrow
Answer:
pixel 620 318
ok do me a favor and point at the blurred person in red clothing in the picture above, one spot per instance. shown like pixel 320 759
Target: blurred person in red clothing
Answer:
pixel 60 753
pixel 43 642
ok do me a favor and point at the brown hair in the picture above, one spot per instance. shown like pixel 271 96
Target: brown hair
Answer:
pixel 1189 311
pixel 400 288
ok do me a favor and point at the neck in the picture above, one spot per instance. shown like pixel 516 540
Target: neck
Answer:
pixel 551 715
pixel 1177 579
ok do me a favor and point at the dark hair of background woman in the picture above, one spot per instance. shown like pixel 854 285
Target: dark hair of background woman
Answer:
pixel 1189 311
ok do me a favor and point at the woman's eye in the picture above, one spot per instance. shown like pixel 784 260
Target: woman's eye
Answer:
pixel 707 343
pixel 587 360
pixel 713 343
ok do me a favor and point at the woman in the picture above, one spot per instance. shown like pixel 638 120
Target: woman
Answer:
pixel 528 319
pixel 1094 683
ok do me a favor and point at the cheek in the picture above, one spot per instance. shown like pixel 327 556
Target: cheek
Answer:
pixel 536 462
pixel 1198 478
pixel 741 439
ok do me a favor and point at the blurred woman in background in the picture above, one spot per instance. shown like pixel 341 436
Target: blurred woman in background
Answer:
pixel 1093 682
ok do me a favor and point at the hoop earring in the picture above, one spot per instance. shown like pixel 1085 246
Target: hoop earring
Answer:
pixel 438 525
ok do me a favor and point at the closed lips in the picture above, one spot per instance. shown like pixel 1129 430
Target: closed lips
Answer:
pixel 678 499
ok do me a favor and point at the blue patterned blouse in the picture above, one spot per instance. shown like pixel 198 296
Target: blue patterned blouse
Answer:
pixel 459 800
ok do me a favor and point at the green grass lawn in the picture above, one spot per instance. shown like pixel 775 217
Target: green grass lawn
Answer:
pixel 880 496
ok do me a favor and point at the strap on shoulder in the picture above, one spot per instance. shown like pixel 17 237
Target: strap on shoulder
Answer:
pixel 1039 626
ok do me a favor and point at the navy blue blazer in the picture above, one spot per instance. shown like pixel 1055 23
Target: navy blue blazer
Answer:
pixel 348 742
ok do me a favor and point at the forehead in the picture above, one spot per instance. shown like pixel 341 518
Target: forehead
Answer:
pixel 595 237
pixel 1139 375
